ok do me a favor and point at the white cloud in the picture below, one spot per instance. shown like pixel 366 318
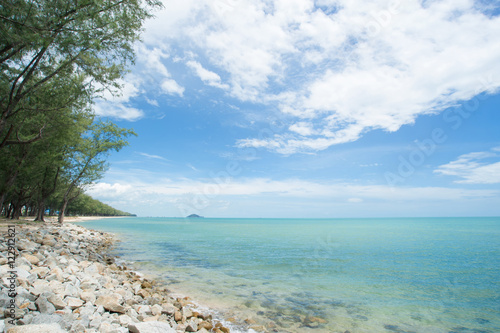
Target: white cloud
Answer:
pixel 200 194
pixel 114 103
pixel 472 169
pixel 153 156
pixel 117 110
pixel 210 78
pixel 171 87
pixel 351 65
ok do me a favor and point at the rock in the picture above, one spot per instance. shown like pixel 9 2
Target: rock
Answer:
pixel 44 306
pixel 92 270
pixel 314 321
pixel 146 285
pixel 96 322
pixel 156 310
pixel 111 303
pixel 125 320
pixel 203 331
pixel 2 325
pixel 57 301
pixel 74 302
pixel 78 327
pixel 88 296
pixel 71 290
pixel 18 313
pixel 192 327
pixel 31 258
pixel 143 293
pixel 40 271
pixel 42 328
pixel 168 308
pixel 26 245
pixel 48 319
pixel 206 325
pixel 178 316
pixel 144 310
pixel 151 327
pixel 186 312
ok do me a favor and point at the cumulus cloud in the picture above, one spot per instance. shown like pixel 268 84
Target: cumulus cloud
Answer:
pixel 335 69
pixel 117 111
pixel 115 103
pixel 473 169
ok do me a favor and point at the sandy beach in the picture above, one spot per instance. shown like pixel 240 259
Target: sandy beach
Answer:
pixel 62 279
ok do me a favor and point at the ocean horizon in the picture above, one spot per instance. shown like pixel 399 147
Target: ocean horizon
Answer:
pixel 325 275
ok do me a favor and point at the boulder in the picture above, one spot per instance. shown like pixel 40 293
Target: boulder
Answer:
pixel 151 327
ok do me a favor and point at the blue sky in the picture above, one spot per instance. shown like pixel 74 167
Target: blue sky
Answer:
pixel 303 108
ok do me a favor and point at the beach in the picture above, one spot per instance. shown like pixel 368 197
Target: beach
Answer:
pixel 62 279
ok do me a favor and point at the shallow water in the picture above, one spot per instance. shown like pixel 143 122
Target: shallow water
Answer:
pixel 332 275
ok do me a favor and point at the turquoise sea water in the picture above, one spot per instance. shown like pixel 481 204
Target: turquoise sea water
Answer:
pixel 357 275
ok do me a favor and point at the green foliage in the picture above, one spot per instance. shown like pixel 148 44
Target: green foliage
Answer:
pixel 85 205
pixel 55 57
pixel 77 47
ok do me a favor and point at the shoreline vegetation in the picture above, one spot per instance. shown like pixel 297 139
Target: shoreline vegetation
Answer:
pixel 64 279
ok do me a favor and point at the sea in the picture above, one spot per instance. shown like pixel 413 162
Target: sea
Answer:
pixel 398 275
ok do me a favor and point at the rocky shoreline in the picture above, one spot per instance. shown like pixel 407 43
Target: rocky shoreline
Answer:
pixel 62 280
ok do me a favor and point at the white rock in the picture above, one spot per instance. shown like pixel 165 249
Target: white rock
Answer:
pixel 156 310
pixel 57 301
pixel 151 327
pixel 88 296
pixel 74 302
pixel 42 328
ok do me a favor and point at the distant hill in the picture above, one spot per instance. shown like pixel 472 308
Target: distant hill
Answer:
pixel 195 216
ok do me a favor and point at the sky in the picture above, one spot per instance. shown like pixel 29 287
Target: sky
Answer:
pixel 315 109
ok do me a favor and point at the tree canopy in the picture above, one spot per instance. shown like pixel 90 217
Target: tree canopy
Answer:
pixel 56 57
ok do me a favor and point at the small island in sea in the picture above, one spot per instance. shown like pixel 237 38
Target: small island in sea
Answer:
pixel 194 216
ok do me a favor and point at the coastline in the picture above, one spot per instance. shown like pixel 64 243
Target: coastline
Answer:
pixel 66 281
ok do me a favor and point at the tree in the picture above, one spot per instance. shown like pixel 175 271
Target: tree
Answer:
pixel 87 163
pixel 85 44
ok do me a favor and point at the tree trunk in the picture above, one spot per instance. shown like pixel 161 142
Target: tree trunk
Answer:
pixel 2 199
pixel 40 210
pixel 16 213
pixel 62 210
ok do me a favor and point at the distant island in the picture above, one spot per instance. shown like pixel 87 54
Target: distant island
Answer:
pixel 194 216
